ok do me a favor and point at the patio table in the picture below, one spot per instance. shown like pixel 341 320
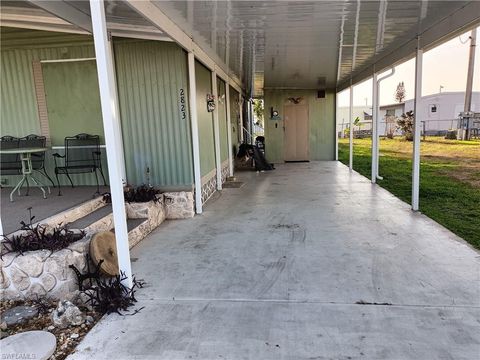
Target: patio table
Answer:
pixel 26 159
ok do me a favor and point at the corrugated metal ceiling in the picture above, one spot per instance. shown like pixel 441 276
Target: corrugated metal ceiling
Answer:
pixel 293 44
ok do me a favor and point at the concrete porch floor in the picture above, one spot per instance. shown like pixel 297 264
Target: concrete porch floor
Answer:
pixel 16 211
pixel 276 269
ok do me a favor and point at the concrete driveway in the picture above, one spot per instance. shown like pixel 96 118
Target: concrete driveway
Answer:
pixel 304 262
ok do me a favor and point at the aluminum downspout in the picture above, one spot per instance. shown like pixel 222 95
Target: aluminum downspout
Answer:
pixel 375 137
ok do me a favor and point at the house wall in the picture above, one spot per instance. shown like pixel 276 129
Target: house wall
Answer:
pixel 222 119
pixel 321 114
pixel 205 119
pixel 19 110
pixel 150 77
pixel 152 81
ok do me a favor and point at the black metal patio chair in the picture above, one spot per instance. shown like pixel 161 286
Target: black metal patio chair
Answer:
pixel 38 159
pixel 82 155
pixel 10 164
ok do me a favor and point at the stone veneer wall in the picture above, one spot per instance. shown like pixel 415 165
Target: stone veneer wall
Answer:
pixel 42 272
pixel 46 273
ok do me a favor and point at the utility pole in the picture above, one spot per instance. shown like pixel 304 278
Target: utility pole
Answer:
pixel 468 92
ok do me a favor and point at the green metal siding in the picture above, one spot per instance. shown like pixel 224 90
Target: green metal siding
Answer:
pixel 321 114
pixel 156 133
pixel 222 119
pixel 203 79
pixel 73 99
pixel 150 75
pixel 19 114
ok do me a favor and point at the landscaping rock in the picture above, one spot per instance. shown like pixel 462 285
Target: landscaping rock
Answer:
pixel 4 280
pixel 48 281
pixel 39 345
pixel 67 314
pixel 35 291
pixel 32 264
pixel 18 315
pixel 20 280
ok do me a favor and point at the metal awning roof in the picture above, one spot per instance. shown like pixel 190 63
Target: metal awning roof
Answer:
pixel 272 44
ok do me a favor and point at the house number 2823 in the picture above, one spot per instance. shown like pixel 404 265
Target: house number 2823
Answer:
pixel 182 104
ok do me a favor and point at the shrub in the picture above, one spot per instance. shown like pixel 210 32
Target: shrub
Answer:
pixel 405 123
pixel 138 194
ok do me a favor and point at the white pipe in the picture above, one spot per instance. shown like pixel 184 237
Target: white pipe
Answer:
pixel 192 87
pixel 229 130
pixel 375 121
pixel 416 129
pixel 216 132
pixel 350 143
pixel 108 103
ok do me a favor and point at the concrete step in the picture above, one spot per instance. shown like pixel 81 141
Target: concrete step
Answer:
pixel 101 218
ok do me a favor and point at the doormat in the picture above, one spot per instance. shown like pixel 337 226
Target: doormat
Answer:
pixel 233 184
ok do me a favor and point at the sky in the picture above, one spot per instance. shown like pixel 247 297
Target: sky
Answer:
pixel 446 65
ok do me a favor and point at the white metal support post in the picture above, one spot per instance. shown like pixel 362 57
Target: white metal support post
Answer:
pixel 192 87
pixel 336 126
pixel 229 130
pixel 108 100
pixel 240 108
pixel 374 129
pixel 350 143
pixel 216 132
pixel 118 124
pixel 416 129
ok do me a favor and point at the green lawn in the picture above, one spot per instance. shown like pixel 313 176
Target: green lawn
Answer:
pixel 449 178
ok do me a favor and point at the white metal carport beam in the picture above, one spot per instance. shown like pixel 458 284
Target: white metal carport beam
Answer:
pixel 192 87
pixel 350 133
pixel 216 132
pixel 159 19
pixel 108 100
pixel 462 20
pixel 373 175
pixel 416 129
pixel 66 12
pixel 229 130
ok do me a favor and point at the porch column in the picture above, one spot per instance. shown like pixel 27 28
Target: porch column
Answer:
pixel 229 130
pixel 336 126
pixel 240 107
pixel 216 132
pixel 192 99
pixel 350 143
pixel 108 101
pixel 118 127
pixel 416 128
pixel 1 226
pixel 374 129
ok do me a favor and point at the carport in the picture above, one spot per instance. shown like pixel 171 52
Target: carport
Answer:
pixel 306 51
